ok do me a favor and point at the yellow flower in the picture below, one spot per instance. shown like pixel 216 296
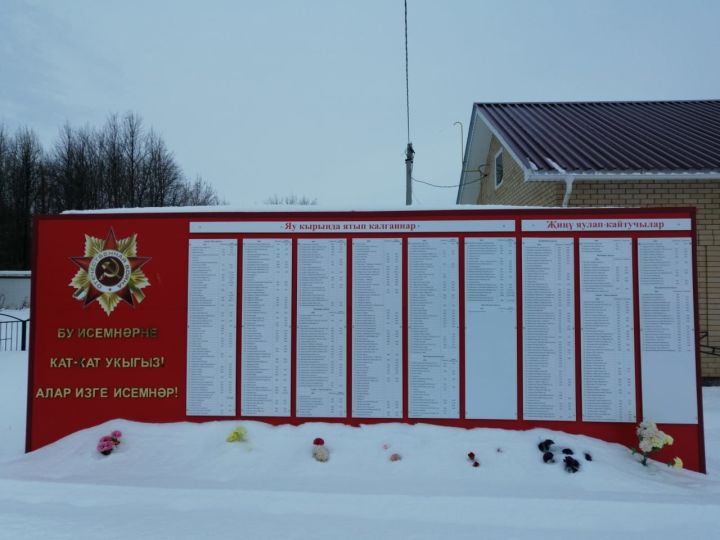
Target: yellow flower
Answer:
pixel 677 463
pixel 237 435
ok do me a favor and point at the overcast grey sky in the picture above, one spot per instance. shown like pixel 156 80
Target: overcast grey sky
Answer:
pixel 308 97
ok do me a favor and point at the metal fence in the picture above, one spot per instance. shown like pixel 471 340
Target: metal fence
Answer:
pixel 13 333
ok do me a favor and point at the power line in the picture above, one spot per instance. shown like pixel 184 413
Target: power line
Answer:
pixel 454 185
pixel 441 186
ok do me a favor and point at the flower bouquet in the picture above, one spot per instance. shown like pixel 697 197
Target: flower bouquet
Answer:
pixel 107 443
pixel 650 439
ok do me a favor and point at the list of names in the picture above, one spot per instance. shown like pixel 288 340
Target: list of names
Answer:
pixel 490 329
pixel 607 330
pixel 377 328
pixel 211 330
pixel 667 330
pixel 322 328
pixel 548 329
pixel 266 299
pixel 433 383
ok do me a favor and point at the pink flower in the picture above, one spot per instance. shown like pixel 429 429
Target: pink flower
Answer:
pixel 116 434
pixel 106 438
pixel 105 447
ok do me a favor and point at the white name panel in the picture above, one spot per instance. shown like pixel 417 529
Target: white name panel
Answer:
pixel 490 329
pixel 211 331
pixel 548 329
pixel 601 224
pixel 354 227
pixel 607 330
pixel 265 343
pixel 377 328
pixel 321 328
pixel 667 330
pixel 433 328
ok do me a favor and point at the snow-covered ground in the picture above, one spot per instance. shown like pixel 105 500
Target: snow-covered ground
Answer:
pixel 183 481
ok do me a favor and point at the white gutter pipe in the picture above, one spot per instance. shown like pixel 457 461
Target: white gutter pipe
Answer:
pixel 568 190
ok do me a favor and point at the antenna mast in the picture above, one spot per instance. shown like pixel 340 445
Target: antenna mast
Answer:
pixel 409 152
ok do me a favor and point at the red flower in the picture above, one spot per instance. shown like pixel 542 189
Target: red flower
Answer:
pixel 471 456
pixel 318 442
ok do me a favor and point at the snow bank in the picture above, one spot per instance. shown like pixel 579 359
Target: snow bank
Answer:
pixel 184 481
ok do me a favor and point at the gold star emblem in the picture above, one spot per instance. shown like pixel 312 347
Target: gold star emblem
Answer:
pixel 110 272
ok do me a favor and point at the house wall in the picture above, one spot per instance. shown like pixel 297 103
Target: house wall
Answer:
pixel 703 195
pixel 514 190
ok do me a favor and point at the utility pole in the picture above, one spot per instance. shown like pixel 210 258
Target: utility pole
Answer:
pixel 409 156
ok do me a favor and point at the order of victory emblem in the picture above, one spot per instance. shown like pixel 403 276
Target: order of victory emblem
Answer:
pixel 110 272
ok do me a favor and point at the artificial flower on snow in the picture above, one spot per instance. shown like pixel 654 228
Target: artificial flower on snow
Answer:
pixel 650 439
pixel 572 465
pixel 238 434
pixel 320 452
pixel 676 463
pixel 105 447
pixel 107 443
pixel 394 456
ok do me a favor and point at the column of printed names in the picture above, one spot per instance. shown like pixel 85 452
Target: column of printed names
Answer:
pixel 490 329
pixel 667 330
pixel 433 328
pixel 322 328
pixel 607 330
pixel 211 332
pixel 548 329
pixel 266 299
pixel 377 328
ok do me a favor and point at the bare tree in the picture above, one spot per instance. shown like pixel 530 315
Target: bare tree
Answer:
pixel 119 165
pixel 133 153
pixel 24 169
pixel 291 199
pixel 111 159
pixel 199 193
pixel 163 173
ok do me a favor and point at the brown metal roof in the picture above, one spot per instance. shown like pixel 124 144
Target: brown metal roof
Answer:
pixel 610 136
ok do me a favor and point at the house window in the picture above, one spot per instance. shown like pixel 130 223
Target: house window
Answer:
pixel 498 168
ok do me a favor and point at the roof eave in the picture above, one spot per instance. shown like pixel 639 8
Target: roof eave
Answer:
pixel 597 176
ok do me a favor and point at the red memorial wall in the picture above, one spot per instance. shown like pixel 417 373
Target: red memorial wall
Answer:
pixel 579 320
